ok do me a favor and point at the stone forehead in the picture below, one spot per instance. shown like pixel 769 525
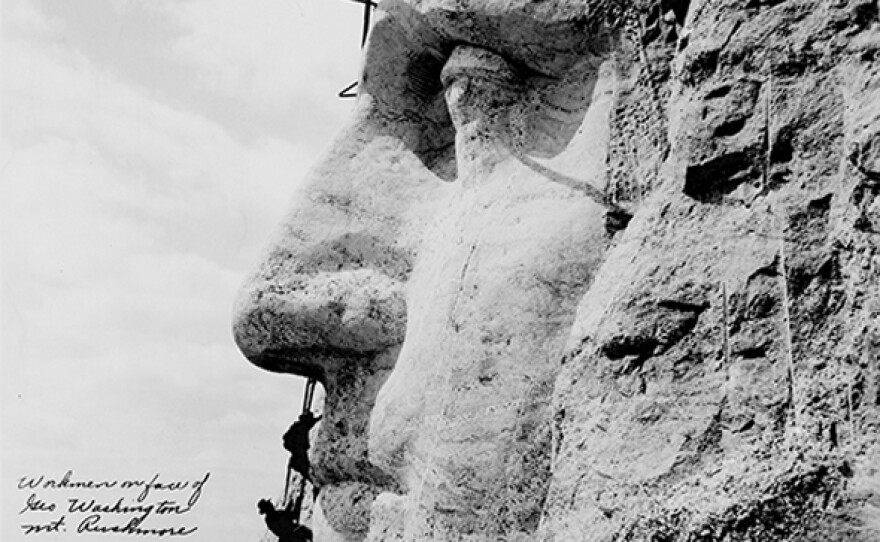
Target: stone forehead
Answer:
pixel 546 36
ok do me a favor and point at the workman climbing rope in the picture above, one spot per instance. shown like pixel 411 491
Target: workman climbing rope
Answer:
pixel 296 441
pixel 284 523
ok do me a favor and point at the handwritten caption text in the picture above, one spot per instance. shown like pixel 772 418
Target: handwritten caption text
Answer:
pixel 151 506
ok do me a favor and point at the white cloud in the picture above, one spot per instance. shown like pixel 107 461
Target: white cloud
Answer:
pixel 272 53
pixel 23 16
pixel 127 224
pixel 126 199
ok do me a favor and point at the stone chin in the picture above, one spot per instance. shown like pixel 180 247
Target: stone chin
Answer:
pixel 344 512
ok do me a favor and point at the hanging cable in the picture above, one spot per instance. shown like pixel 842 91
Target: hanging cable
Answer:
pixel 308 395
pixel 349 91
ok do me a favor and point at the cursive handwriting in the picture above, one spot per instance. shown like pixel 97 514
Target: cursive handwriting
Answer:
pixel 34 504
pixel 67 482
pixel 119 507
pixel 92 524
pixel 64 482
pixel 130 506
pixel 48 527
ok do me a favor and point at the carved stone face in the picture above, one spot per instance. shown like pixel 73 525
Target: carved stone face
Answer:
pixel 428 272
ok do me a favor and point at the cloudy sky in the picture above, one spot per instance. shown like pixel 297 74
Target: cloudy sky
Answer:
pixel 148 148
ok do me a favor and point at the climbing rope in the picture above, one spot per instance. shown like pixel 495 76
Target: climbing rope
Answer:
pixel 349 92
pixel 308 395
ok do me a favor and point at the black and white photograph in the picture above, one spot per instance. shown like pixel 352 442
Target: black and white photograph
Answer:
pixel 440 270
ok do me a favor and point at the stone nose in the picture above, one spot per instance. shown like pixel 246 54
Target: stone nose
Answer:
pixel 327 299
pixel 334 310
pixel 304 323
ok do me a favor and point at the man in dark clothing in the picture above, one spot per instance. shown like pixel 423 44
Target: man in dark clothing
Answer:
pixel 284 523
pixel 296 441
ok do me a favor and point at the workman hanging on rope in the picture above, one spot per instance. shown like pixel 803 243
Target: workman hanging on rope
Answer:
pixel 296 441
pixel 284 523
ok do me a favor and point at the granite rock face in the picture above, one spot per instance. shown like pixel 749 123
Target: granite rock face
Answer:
pixel 593 270
pixel 723 371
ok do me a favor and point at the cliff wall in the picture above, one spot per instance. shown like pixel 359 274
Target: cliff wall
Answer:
pixel 723 374
pixel 593 270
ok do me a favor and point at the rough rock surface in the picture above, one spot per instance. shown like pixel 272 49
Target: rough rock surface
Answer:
pixel 580 272
pixel 722 381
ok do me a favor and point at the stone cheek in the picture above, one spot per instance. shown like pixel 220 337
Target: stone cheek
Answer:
pixel 465 411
